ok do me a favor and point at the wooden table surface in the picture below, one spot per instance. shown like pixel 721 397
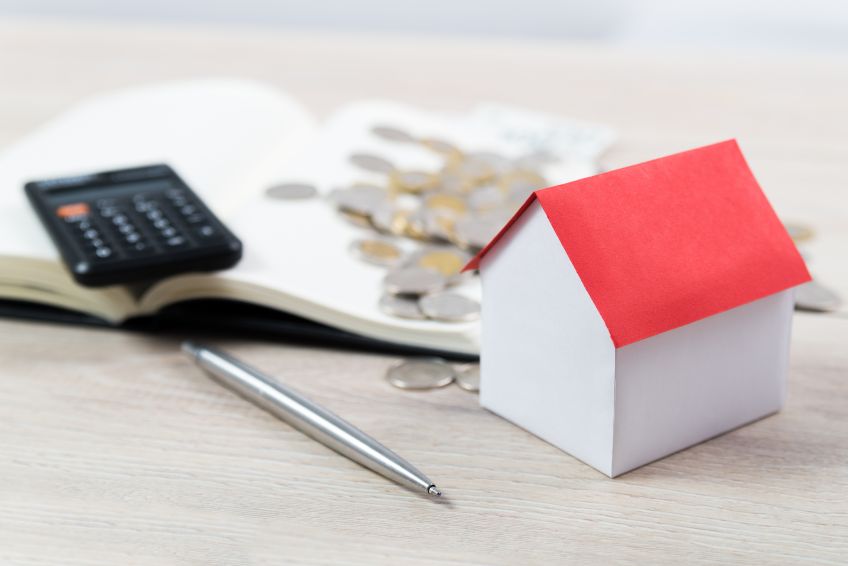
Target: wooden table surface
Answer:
pixel 115 450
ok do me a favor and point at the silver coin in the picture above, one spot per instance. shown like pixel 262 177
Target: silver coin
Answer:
pixel 376 251
pixel 815 297
pixel 359 199
pixel 421 374
pixel 391 133
pixel 449 307
pixel 535 160
pixel 486 197
pixel 413 281
pixel 372 162
pixel 401 306
pixel 437 223
pixel 495 161
pixel 384 217
pixel 469 378
pixel 291 191
pixel 475 232
pixel 441 146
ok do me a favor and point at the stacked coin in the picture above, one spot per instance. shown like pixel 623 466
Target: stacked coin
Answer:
pixel 432 373
pixel 449 213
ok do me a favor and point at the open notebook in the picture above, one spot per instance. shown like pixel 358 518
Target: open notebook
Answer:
pixel 230 139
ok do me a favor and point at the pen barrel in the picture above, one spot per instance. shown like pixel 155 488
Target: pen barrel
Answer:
pixel 309 418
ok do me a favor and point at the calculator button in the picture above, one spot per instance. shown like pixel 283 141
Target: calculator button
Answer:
pixel 188 210
pixel 169 232
pixel 162 223
pixel 84 225
pixel 77 209
pixel 91 234
pixel 133 237
pixel 120 219
pixel 97 243
pixel 140 248
pixel 176 241
pixel 108 212
pixel 196 218
pixel 154 214
pixel 206 231
pixel 103 252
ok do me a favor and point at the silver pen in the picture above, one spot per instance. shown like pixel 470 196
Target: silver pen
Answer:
pixel 309 418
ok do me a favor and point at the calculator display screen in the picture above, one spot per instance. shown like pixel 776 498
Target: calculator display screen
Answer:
pixel 63 195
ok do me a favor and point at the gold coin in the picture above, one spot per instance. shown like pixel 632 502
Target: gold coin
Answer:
pixel 416 226
pixel 799 232
pixel 472 172
pixel 378 252
pixel 447 149
pixel 446 262
pixel 412 181
pixel 355 218
pixel 448 202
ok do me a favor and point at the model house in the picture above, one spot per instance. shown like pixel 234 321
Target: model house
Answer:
pixel 632 314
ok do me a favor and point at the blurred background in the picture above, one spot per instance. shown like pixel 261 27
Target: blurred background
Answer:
pixel 812 25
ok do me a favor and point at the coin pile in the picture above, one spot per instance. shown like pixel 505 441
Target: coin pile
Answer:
pixel 811 296
pixel 449 214
pixel 432 373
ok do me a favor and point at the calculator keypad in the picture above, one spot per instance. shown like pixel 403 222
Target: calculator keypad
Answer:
pixel 137 226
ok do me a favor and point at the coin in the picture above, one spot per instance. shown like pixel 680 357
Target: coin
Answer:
pixel 359 220
pixel 815 297
pixel 472 172
pixel 474 233
pixel 372 162
pixel 438 224
pixel 416 225
pixel 291 191
pixel 376 251
pixel 359 199
pixel 495 161
pixel 441 146
pixel 449 307
pixel 447 261
pixel 412 181
pixel 447 202
pixel 391 133
pixel 469 378
pixel 799 232
pixel 428 373
pixel 487 197
pixel 389 219
pixel 413 281
pixel 400 306
pixel 519 184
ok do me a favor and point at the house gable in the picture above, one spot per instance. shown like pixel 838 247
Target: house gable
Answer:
pixel 547 360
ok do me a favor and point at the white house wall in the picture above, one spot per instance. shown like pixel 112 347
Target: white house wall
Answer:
pixel 681 387
pixel 547 360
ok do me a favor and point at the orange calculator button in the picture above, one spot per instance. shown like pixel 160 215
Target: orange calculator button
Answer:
pixel 75 209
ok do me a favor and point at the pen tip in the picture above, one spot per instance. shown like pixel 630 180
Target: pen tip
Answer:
pixel 190 348
pixel 433 490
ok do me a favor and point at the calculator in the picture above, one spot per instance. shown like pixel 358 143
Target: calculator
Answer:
pixel 131 225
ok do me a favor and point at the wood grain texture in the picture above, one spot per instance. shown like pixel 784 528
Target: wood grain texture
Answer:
pixel 116 450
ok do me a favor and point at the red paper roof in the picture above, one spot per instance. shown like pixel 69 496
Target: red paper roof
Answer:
pixel 670 241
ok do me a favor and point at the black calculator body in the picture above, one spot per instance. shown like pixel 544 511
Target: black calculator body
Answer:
pixel 131 225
